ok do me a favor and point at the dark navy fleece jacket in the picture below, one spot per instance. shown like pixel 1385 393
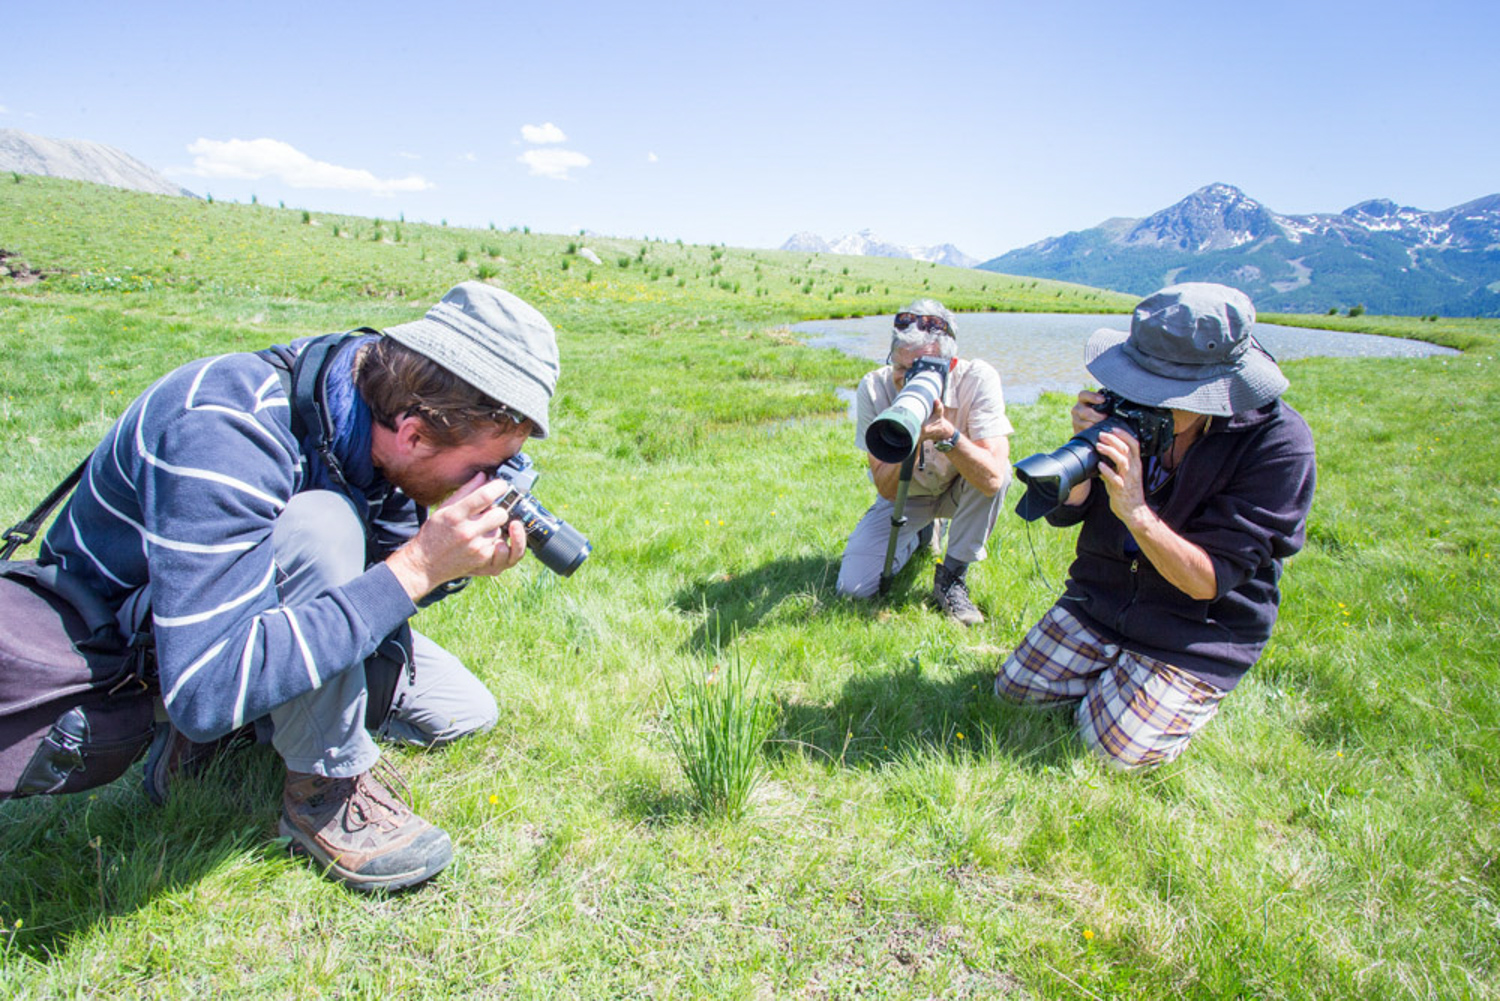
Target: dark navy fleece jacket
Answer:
pixel 1242 493
pixel 184 492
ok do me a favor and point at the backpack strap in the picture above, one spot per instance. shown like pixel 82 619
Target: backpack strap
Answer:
pixel 302 375
pixel 25 530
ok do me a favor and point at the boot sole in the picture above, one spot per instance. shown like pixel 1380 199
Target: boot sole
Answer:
pixel 364 882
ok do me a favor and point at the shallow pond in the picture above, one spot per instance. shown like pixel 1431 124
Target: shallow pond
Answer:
pixel 1043 352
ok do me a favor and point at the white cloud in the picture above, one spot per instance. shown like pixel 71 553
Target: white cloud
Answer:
pixel 651 158
pixel 4 110
pixel 253 159
pixel 471 157
pixel 403 154
pixel 553 163
pixel 542 134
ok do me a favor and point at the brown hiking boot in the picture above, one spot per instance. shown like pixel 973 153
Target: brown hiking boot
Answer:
pixel 360 832
pixel 172 756
pixel 951 594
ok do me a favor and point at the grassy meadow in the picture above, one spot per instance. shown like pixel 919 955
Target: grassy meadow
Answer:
pixel 1335 832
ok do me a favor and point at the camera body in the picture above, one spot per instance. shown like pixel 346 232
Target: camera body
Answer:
pixel 560 546
pixel 1051 476
pixel 894 434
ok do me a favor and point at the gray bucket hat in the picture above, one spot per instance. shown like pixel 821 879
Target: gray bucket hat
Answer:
pixel 493 341
pixel 1189 347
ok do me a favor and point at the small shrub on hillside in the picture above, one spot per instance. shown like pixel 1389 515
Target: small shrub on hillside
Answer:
pixel 306 217
pixel 1357 310
pixel 463 255
pixel 486 271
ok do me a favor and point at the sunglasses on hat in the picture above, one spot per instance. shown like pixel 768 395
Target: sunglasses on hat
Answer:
pixel 926 324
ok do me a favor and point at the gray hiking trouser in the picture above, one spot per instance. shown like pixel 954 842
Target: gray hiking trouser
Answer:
pixel 971 518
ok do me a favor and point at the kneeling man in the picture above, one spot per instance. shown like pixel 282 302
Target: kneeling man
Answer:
pixel 961 470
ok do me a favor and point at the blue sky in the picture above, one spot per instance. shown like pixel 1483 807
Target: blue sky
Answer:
pixel 987 125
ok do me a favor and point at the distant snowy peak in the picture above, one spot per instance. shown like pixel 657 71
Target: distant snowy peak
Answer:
pixel 1215 217
pixel 80 160
pixel 867 244
pixel 1377 253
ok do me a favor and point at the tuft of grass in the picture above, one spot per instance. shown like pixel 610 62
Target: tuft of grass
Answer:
pixel 720 718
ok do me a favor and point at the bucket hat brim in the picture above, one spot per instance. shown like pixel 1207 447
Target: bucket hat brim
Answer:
pixel 1252 381
pixel 494 341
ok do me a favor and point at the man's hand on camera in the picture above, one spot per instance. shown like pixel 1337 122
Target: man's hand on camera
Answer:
pixel 938 426
pixel 464 536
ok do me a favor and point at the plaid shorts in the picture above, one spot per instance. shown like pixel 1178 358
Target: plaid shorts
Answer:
pixel 1134 711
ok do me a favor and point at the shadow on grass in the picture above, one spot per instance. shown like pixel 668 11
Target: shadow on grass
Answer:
pixel 795 587
pixel 656 807
pixel 881 718
pixel 72 862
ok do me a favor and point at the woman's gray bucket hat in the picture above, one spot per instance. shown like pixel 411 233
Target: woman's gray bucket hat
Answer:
pixel 1189 347
pixel 493 341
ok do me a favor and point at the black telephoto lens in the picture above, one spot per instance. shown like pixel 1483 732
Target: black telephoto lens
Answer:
pixel 1051 476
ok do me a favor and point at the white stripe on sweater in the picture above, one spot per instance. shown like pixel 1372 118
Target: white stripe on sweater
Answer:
pixel 246 657
pixel 307 657
pixel 173 544
pixel 98 563
pixel 192 669
pixel 171 621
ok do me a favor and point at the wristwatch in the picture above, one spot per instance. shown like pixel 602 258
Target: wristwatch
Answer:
pixel 947 444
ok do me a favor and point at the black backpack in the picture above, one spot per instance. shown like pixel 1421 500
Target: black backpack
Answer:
pixel 76 698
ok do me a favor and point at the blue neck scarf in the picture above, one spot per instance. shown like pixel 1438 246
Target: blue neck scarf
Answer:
pixel 351 419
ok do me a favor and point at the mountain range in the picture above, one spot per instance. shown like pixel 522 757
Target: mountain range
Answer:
pixel 867 244
pixel 1385 257
pixel 80 160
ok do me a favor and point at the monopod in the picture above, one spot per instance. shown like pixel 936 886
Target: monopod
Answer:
pixel 898 518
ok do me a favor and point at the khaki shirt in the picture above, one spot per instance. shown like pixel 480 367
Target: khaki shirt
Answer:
pixel 975 405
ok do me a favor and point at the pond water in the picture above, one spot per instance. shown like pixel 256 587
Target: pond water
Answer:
pixel 1043 352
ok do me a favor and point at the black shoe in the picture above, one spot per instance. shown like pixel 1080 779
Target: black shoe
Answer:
pixel 173 756
pixel 951 594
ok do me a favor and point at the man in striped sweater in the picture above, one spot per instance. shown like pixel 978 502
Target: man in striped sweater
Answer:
pixel 276 552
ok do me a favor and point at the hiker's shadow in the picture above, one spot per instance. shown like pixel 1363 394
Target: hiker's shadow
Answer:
pixel 792 589
pixel 68 863
pixel 907 710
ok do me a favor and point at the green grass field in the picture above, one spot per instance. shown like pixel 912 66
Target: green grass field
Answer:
pixel 1335 832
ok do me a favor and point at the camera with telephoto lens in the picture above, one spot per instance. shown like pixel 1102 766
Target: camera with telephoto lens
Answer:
pixel 560 546
pixel 893 436
pixel 1051 476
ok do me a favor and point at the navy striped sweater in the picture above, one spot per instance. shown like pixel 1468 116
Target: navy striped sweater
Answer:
pixel 184 492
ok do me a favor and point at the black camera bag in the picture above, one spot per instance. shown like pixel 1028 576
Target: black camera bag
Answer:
pixel 76 700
